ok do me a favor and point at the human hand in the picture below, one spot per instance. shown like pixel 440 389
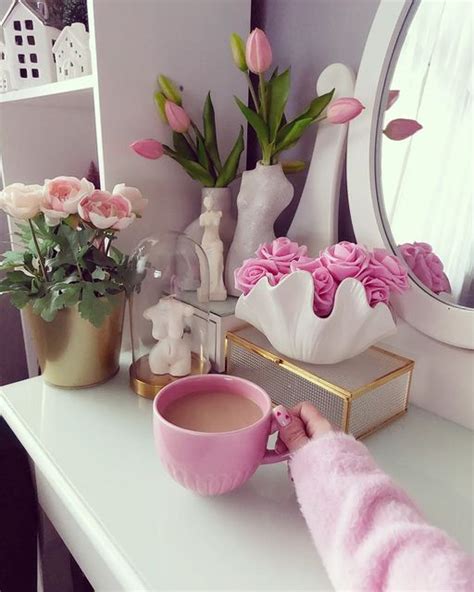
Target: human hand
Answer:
pixel 299 425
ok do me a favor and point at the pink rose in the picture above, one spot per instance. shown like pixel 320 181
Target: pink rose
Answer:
pixel 426 265
pixel 282 251
pixel 389 269
pixel 134 196
pixel 62 196
pixel 345 260
pixel 376 290
pixel 104 210
pixel 254 270
pixel 324 284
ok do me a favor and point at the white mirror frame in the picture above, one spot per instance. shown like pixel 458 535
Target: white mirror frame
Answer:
pixel 445 322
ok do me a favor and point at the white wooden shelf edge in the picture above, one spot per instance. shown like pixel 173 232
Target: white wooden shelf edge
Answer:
pixel 51 89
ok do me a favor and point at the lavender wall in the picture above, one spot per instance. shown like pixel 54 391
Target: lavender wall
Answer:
pixel 309 35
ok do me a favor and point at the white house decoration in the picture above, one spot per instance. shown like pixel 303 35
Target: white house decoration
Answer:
pixel 29 39
pixel 5 83
pixel 72 53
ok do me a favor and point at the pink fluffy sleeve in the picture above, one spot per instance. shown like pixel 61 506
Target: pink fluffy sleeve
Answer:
pixel 370 535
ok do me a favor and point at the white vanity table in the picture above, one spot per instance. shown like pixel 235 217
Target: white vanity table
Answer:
pixel 130 527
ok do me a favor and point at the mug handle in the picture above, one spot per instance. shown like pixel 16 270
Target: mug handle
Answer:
pixel 272 456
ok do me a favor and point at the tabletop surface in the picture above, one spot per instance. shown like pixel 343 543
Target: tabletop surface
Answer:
pixel 97 447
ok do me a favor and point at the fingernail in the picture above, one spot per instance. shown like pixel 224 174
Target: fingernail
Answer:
pixel 282 416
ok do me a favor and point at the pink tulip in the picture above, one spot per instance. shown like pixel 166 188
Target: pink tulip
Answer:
pixel 400 129
pixel 392 98
pixel 344 109
pixel 148 148
pixel 258 52
pixel 177 117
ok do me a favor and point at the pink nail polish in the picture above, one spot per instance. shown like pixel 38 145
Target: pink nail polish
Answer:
pixel 282 416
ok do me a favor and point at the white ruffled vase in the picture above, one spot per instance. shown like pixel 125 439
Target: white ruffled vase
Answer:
pixel 264 193
pixel 221 201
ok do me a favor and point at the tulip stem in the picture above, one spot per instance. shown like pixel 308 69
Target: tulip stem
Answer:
pixel 252 91
pixel 40 257
pixel 263 92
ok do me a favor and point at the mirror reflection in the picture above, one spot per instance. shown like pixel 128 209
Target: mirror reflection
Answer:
pixel 426 150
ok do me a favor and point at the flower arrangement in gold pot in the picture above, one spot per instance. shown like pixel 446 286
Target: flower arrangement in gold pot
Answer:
pixel 68 276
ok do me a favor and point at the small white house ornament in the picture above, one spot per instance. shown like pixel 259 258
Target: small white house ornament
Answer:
pixel 29 40
pixel 5 82
pixel 72 52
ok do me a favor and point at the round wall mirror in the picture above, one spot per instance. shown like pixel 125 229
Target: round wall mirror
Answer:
pixel 410 158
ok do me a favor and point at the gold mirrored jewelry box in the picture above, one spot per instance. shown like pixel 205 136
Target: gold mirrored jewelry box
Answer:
pixel 359 395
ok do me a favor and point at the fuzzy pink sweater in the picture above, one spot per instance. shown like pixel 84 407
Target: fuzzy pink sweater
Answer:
pixel 370 535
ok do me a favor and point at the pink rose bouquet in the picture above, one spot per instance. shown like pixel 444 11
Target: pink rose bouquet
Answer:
pixel 426 265
pixel 380 273
pixel 67 232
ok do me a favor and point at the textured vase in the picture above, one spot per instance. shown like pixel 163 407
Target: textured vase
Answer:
pixel 72 352
pixel 264 193
pixel 284 314
pixel 221 201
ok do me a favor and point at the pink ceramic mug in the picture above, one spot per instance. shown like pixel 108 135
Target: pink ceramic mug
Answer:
pixel 217 462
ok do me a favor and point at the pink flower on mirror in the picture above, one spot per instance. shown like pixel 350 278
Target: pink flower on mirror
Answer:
pixel 345 259
pixel 62 196
pixel 389 269
pixel 258 52
pixel 282 251
pixel 134 196
pixel 148 148
pixel 376 290
pixel 426 265
pixel 344 109
pixel 177 117
pixel 252 271
pixel 325 285
pixel 392 98
pixel 401 129
pixel 106 211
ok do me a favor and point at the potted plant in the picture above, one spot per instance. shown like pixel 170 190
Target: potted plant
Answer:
pixel 197 151
pixel 67 275
pixel 265 191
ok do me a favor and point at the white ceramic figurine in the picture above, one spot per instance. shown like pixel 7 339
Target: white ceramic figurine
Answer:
pixel 214 250
pixel 172 353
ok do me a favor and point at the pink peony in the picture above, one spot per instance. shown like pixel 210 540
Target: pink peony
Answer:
pixel 426 265
pixel 389 269
pixel 282 251
pixel 62 196
pixel 324 285
pixel 106 211
pixel 21 201
pixel 134 196
pixel 253 270
pixel 345 260
pixel 376 290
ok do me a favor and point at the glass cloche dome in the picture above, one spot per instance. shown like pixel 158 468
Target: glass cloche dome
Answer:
pixel 169 312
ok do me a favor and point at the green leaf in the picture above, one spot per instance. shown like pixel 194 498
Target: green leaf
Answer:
pixel 196 171
pixel 278 90
pixel 294 132
pixel 20 299
pixel 256 122
pixel 210 134
pixel 11 259
pixel 100 274
pixel 182 147
pixel 69 295
pixel 314 110
pixel 95 309
pixel 202 156
pixel 231 165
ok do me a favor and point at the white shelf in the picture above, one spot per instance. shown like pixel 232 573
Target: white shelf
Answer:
pixel 79 87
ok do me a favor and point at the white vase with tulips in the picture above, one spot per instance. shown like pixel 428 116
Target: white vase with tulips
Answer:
pixel 265 191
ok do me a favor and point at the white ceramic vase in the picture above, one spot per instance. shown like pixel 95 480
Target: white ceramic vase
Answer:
pixel 221 201
pixel 264 193
pixel 284 314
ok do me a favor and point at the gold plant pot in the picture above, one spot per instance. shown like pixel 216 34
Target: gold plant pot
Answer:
pixel 72 352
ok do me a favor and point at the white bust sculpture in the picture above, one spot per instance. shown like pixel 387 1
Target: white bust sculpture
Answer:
pixel 172 353
pixel 214 250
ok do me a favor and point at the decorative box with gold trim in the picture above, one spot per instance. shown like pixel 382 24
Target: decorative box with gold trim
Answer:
pixel 359 395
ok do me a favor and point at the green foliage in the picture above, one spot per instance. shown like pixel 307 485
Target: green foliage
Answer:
pixel 231 165
pixel 81 265
pixel 210 133
pixel 278 91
